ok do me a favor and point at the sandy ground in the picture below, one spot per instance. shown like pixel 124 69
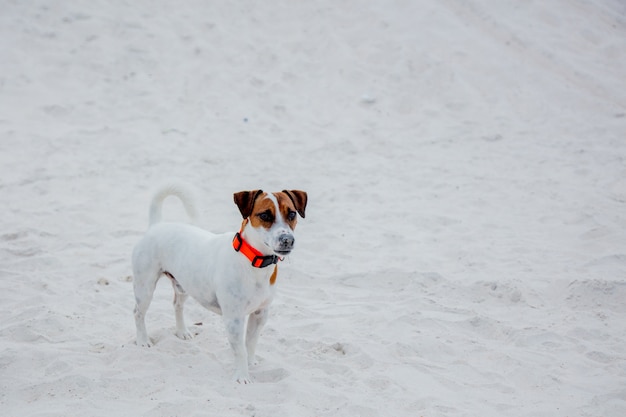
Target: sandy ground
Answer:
pixel 464 250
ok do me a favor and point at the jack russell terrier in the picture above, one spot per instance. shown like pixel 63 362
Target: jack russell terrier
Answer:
pixel 232 274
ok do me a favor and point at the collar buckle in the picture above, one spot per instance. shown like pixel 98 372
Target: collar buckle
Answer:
pixel 264 261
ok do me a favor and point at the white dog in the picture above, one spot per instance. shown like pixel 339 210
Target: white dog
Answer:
pixel 232 274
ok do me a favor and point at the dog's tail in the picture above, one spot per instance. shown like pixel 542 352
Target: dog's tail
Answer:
pixel 178 190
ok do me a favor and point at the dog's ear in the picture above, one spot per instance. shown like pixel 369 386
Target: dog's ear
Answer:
pixel 245 201
pixel 299 199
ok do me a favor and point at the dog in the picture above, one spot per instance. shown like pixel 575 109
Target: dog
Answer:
pixel 231 274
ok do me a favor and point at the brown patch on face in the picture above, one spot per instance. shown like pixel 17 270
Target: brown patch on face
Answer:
pixel 245 201
pixel 287 209
pixel 299 198
pixel 264 212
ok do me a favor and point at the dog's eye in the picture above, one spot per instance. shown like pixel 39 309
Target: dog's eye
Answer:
pixel 266 216
pixel 291 215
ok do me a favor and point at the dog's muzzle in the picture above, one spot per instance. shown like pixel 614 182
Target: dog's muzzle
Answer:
pixel 285 244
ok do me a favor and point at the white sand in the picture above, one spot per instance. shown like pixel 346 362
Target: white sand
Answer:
pixel 464 251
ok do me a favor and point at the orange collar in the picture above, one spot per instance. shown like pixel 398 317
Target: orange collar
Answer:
pixel 257 259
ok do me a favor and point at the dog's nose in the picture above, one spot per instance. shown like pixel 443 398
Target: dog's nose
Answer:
pixel 286 241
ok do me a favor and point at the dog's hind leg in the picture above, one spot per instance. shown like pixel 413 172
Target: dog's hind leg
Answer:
pixel 144 290
pixel 180 296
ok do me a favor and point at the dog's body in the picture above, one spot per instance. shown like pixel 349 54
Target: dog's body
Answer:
pixel 229 274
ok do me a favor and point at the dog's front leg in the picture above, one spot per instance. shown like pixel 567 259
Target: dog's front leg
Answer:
pixel 235 327
pixel 256 321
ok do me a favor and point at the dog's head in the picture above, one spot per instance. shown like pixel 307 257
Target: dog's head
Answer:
pixel 270 218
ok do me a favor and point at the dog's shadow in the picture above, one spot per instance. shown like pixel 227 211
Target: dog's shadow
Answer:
pixel 270 376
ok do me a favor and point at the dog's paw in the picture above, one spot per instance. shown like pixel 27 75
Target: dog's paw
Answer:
pixel 144 343
pixel 184 334
pixel 243 379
